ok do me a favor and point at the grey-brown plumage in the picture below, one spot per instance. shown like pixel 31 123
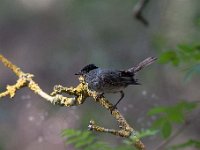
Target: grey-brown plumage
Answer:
pixel 110 80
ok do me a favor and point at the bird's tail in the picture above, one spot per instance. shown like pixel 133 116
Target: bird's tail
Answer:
pixel 142 64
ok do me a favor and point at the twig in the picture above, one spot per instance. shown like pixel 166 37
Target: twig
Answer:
pixel 138 9
pixel 79 95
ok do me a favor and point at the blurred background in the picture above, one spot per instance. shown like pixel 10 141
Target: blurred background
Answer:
pixel 53 39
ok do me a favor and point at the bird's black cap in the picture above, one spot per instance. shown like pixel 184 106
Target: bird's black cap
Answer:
pixel 86 69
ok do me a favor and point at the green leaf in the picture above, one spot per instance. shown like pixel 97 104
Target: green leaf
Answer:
pixel 186 48
pixel 176 116
pixel 197 47
pixel 146 133
pixel 186 106
pixel 175 113
pixel 70 133
pixel 90 140
pixel 172 113
pixel 189 143
pixel 99 146
pixel 84 139
pixel 156 110
pixel 158 123
pixel 169 56
pixel 197 57
pixel 166 129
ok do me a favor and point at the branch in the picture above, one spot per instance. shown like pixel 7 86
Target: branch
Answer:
pixel 79 95
pixel 138 9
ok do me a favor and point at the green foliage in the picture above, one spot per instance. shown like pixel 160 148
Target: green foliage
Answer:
pixel 142 134
pixel 85 140
pixel 166 129
pixel 146 133
pixel 184 53
pixel 167 115
pixel 169 56
pixel 189 143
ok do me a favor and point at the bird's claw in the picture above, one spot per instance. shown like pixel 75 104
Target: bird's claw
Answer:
pixel 113 108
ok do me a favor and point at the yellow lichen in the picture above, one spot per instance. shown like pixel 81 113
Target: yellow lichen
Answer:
pixel 79 95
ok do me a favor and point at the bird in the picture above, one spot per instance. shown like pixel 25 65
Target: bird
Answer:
pixel 104 80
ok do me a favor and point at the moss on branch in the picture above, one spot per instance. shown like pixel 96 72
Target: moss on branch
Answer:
pixel 78 96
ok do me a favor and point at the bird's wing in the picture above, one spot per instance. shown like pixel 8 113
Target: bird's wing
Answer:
pixel 118 78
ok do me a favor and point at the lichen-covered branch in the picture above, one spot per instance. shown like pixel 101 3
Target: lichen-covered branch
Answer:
pixel 77 96
pixel 125 129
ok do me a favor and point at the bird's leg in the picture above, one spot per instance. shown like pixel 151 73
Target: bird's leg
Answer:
pixel 122 96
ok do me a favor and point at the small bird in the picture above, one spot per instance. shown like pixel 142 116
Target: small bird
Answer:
pixel 111 80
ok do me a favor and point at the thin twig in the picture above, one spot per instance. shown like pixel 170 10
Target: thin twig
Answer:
pixel 138 9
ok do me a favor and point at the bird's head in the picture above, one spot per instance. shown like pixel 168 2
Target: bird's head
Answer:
pixel 86 69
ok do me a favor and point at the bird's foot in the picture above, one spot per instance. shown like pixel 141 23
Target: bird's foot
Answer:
pixel 113 108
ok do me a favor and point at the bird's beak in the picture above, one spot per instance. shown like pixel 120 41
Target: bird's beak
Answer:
pixel 79 73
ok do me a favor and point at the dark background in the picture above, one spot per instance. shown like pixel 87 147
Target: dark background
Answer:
pixel 53 39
